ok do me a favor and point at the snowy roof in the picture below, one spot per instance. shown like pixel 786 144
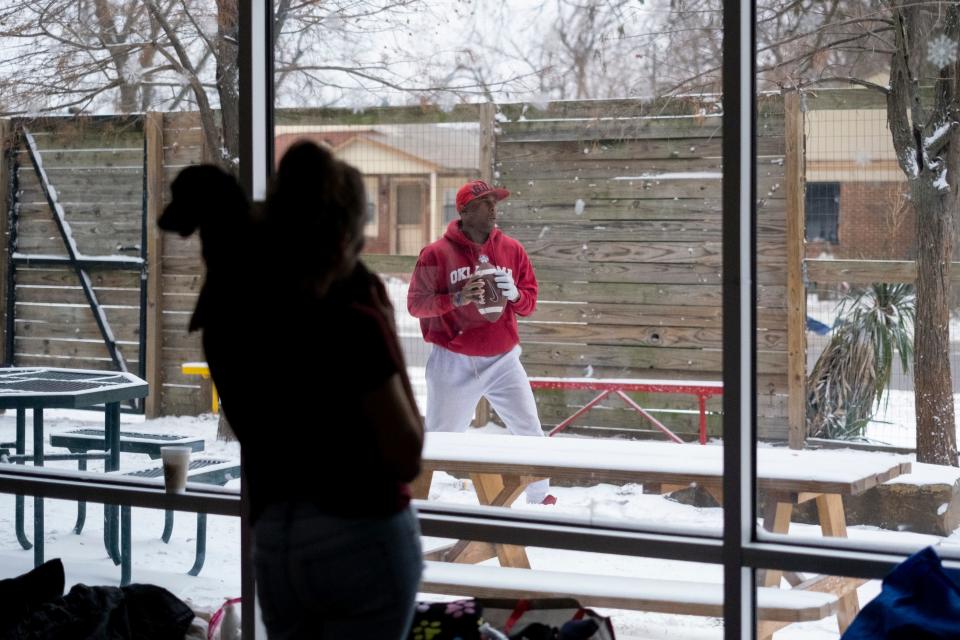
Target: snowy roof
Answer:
pixel 453 146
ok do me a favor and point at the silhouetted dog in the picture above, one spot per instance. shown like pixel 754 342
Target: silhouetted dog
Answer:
pixel 209 199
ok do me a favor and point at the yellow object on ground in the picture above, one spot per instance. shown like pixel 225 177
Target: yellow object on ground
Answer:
pixel 201 369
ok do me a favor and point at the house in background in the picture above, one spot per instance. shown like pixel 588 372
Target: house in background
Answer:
pixel 411 171
pixel 856 194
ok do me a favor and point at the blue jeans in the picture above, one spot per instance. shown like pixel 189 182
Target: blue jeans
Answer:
pixel 327 577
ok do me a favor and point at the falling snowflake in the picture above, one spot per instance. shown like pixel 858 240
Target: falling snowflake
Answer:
pixel 941 51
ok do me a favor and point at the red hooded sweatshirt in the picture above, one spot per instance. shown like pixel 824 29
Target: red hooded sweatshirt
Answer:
pixel 444 267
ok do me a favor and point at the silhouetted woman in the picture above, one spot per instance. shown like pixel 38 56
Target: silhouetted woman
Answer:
pixel 300 341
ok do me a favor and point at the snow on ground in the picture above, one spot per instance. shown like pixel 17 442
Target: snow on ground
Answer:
pixel 896 419
pixel 166 564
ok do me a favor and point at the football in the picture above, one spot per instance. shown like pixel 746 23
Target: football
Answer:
pixel 492 305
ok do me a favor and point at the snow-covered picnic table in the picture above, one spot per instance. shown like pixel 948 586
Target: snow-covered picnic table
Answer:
pixel 500 467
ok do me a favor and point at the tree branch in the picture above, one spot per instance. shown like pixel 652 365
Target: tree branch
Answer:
pixel 848 80
pixel 899 99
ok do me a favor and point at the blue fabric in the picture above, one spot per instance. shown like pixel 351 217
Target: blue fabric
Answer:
pixel 817 327
pixel 920 600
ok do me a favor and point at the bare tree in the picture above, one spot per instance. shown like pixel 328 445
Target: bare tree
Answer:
pixel 134 55
pixel 562 49
pixel 924 124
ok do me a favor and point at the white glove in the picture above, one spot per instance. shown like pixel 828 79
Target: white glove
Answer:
pixel 508 286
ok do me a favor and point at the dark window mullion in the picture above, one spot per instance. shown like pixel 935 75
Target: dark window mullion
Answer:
pixel 739 294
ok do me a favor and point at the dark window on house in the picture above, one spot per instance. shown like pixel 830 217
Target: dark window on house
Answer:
pixel 823 211
pixel 450 205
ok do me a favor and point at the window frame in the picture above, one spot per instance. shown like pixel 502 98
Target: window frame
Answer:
pixel 740 550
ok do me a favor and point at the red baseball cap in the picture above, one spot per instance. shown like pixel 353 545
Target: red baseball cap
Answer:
pixel 477 189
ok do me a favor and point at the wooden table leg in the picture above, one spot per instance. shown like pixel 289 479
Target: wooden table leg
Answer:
pixel 776 519
pixel 501 491
pixel 793 578
pixel 833 522
pixel 493 490
pixel 420 487
pixel 818 584
pixel 465 551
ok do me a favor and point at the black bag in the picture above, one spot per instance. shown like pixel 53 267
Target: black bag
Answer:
pixel 549 618
pixel 457 620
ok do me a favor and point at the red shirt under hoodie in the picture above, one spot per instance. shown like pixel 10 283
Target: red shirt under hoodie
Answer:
pixel 444 267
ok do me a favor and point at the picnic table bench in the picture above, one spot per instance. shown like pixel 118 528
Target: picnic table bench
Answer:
pixel 776 607
pixel 206 470
pixel 502 466
pixel 83 441
pixel 702 389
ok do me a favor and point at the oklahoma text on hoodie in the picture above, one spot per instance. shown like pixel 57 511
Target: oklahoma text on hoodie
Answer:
pixel 444 267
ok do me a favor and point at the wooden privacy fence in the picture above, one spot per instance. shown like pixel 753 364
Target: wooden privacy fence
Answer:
pixel 75 280
pixel 88 279
pixel 617 202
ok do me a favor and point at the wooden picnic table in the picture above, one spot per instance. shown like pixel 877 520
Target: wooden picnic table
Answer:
pixel 500 467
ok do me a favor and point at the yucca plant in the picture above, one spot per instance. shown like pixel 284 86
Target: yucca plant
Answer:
pixel 848 380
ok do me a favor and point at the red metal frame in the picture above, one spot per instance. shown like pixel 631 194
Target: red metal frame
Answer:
pixel 702 390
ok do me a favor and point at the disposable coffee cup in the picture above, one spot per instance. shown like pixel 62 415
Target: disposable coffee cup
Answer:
pixel 176 461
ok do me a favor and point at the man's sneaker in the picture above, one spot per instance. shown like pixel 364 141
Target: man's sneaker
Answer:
pixel 549 500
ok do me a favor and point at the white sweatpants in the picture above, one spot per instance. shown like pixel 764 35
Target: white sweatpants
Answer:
pixel 455 384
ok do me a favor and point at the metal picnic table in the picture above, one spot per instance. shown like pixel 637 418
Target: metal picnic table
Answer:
pixel 702 389
pixel 40 388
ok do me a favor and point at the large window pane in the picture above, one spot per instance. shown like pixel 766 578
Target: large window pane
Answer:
pixel 854 369
pixel 609 141
pixel 615 196
pixel 103 104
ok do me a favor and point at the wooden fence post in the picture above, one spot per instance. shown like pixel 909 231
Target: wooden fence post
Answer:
pixel 488 140
pixel 796 289
pixel 487 155
pixel 5 133
pixel 153 128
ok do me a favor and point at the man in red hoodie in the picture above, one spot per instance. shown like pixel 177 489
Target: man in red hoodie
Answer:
pixel 471 356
